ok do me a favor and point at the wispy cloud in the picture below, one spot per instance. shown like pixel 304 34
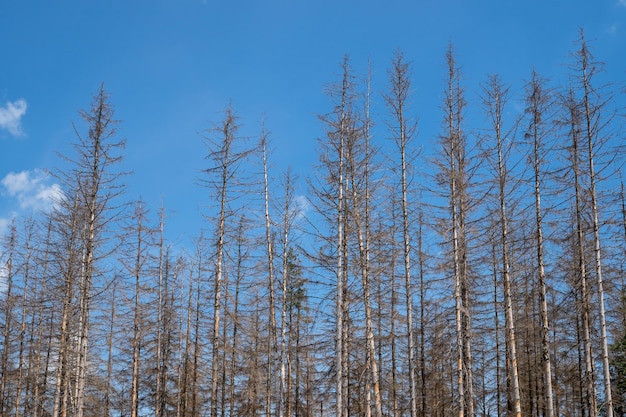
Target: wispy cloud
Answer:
pixel 32 189
pixel 4 226
pixel 11 117
pixel 303 205
pixel 621 3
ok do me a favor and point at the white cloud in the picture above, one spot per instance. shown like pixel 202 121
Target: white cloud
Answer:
pixel 622 3
pixel 303 205
pixel 4 226
pixel 11 117
pixel 32 189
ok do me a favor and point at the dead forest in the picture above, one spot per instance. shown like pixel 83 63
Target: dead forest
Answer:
pixel 479 272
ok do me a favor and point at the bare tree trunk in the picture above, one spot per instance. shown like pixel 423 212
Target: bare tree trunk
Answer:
pixel 338 132
pixel 341 400
pixel 185 339
pixel 42 374
pixel 136 341
pixel 496 96
pixel 110 343
pixel 159 390
pixel 217 294
pixel 241 253
pixel 454 170
pixel 26 262
pixel 496 318
pixel 224 158
pixel 60 406
pixel 195 401
pixel 591 126
pixel 287 304
pixel 588 381
pixel 272 342
pixel 362 227
pixel 403 132
pixel 422 290
pixel 63 355
pixel 8 314
pixel 536 105
pixel 395 411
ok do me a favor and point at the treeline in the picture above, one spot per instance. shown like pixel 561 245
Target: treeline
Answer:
pixel 482 278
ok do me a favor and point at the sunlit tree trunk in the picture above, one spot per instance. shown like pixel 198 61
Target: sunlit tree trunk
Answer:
pixel 495 100
pixel 334 194
pixel 454 174
pixel 588 380
pixel 224 157
pixel 68 274
pixel 403 130
pixel 591 125
pixel 290 301
pixel 496 320
pixel 537 102
pixel 96 187
pixel 358 157
pixel 272 344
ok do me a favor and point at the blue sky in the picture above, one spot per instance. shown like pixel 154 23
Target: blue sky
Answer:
pixel 172 66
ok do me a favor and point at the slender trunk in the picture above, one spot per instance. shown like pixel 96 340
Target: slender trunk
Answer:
pixel 422 290
pixel 588 376
pixel 340 343
pixel 454 152
pixel 136 326
pixel 217 306
pixel 39 374
pixel 362 228
pixel 456 178
pixel 272 342
pixel 158 410
pixel 465 300
pixel 458 308
pixel 590 130
pixel 187 372
pixel 392 327
pixel 397 100
pixel 496 99
pixel 110 343
pixel 88 266
pixel 61 392
pixel 196 342
pixel 287 307
pixel 217 291
pixel 536 101
pixel 556 374
pixel 496 317
pixel 22 327
pixel 8 314
pixel 235 337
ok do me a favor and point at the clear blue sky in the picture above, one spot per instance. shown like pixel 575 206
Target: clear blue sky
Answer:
pixel 171 66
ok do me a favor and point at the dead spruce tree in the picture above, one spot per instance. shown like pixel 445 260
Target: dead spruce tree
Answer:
pixel 84 217
pixel 538 103
pixel 454 174
pixel 498 143
pixel 403 130
pixel 225 155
